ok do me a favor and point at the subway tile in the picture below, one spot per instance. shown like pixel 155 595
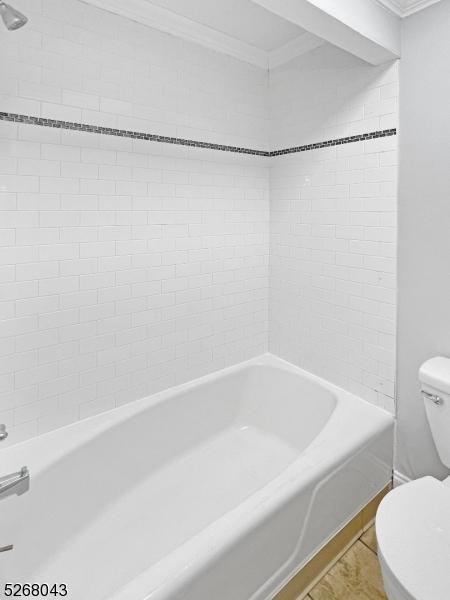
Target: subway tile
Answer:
pixel 59 185
pixel 148 230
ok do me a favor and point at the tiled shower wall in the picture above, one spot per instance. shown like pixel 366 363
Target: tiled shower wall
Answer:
pixel 75 62
pixel 126 266
pixel 333 222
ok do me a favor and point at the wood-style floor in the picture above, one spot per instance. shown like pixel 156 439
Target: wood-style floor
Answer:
pixel 356 576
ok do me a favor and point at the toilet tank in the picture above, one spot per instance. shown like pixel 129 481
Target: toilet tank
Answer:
pixel 434 376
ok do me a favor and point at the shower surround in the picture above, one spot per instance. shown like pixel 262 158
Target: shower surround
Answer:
pixel 333 221
pixel 128 266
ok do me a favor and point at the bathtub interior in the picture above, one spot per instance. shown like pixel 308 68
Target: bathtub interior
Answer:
pixel 144 486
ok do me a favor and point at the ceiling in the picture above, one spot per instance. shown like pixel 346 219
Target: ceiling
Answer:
pixel 244 29
pixel 240 28
pixel 240 19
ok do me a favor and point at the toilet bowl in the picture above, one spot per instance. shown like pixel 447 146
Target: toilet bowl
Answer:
pixel 413 521
pixel 413 533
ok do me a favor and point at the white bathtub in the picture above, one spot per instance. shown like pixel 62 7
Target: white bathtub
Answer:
pixel 218 489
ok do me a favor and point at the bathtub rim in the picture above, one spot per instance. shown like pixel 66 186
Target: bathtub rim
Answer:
pixel 72 435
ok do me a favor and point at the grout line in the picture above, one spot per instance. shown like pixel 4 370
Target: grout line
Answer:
pixel 367 545
pixel 152 137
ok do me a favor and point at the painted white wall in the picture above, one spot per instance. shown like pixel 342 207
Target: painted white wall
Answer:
pixel 333 222
pixel 424 226
pixel 125 266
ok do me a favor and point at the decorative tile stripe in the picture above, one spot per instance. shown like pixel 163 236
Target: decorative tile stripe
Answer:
pixel 346 140
pixel 151 137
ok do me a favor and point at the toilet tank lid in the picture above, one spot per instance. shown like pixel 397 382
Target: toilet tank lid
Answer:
pixel 435 372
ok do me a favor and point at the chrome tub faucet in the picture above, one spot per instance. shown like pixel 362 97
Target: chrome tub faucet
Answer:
pixel 14 483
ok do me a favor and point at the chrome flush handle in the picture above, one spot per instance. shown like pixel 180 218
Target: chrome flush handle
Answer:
pixel 3 432
pixel 436 399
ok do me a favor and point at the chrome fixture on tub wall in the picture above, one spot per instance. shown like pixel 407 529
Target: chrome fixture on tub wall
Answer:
pixel 12 18
pixel 15 483
pixel 3 432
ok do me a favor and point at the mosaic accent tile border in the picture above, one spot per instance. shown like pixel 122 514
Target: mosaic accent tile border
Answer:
pixel 362 137
pixel 151 137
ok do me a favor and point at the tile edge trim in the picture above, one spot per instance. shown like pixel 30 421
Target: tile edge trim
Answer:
pixel 152 137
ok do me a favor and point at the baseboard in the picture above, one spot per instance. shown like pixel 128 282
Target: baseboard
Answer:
pixel 400 479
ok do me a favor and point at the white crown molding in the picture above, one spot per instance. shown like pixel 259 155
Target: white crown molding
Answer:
pixel 169 22
pixel 415 6
pixel 394 6
pixel 165 20
pixel 404 8
pixel 300 45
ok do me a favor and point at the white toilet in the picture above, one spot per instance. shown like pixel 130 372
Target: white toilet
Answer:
pixel 413 521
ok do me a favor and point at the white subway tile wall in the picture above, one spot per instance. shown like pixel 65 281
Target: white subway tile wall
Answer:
pixel 333 222
pixel 328 94
pixel 128 266
pixel 123 271
pixel 74 62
